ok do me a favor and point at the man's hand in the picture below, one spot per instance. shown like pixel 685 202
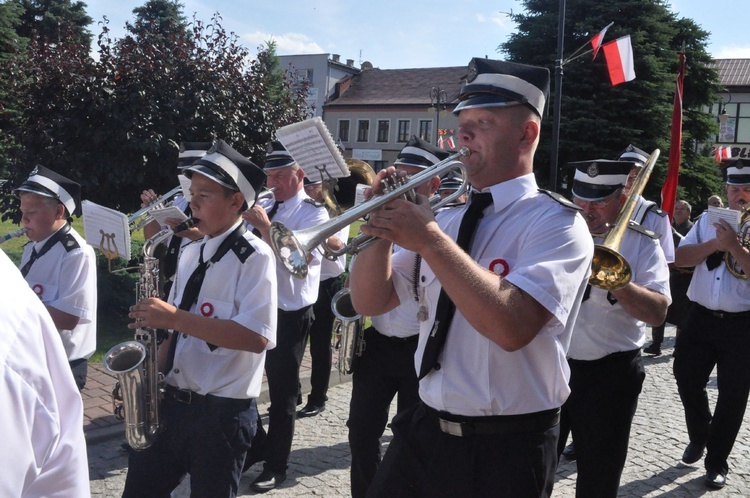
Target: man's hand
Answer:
pixel 154 313
pixel 258 218
pixel 726 237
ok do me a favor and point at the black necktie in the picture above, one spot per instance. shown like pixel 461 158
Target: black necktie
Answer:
pixel 445 307
pixel 194 283
pixel 46 247
pixel 271 213
pixel 714 260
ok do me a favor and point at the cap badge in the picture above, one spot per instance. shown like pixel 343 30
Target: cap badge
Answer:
pixel 473 71
pixel 214 148
pixel 34 171
pixel 593 170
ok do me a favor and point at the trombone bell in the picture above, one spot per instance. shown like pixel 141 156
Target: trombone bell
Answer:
pixel 609 270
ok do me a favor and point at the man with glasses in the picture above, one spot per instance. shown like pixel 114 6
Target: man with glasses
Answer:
pixel 606 372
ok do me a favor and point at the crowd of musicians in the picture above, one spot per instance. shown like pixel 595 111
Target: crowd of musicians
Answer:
pixel 488 320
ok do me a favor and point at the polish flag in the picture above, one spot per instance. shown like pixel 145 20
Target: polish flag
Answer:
pixel 441 143
pixel 449 142
pixel 723 152
pixel 596 41
pixel 619 56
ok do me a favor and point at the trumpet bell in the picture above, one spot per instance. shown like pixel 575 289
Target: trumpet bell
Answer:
pixel 289 250
pixel 609 270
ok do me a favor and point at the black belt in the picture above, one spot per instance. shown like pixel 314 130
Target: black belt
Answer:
pixel 620 355
pixel 187 397
pixel 395 340
pixel 722 314
pixel 461 426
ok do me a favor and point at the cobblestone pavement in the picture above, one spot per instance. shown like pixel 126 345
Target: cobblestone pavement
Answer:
pixel 319 464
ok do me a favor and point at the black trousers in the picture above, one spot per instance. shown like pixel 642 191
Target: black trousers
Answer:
pixel 80 369
pixel 282 372
pixel 679 281
pixel 386 368
pixel 320 341
pixel 423 461
pixel 708 341
pixel 599 411
pixel 209 441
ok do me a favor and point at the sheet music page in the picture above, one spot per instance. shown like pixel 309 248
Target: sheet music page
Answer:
pixel 106 229
pixel 185 184
pixel 161 214
pixel 729 215
pixel 312 147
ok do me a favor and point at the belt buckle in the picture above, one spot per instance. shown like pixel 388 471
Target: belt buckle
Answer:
pixel 719 314
pixel 452 428
pixel 184 396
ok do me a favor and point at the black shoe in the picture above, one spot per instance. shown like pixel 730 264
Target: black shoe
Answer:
pixel 570 452
pixel 653 349
pixel 311 410
pixel 715 480
pixel 267 480
pixel 693 453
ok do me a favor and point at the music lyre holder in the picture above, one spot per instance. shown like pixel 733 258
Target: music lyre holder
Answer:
pixel 110 251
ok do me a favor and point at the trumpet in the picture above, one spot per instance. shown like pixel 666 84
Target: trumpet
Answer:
pixel 141 218
pixel 609 269
pixel 16 233
pixel 293 247
pixel 267 194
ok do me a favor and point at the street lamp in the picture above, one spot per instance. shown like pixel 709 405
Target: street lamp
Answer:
pixel 438 99
pixel 723 115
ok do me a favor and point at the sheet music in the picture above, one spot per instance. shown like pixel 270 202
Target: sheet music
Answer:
pixel 312 147
pixel 106 229
pixel 185 184
pixel 729 215
pixel 161 214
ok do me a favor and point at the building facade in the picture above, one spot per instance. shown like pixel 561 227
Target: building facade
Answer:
pixel 733 109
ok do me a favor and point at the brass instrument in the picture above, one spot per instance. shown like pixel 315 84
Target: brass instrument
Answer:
pixel 744 238
pixel 15 233
pixel 609 270
pixel 140 385
pixel 348 331
pixel 293 247
pixel 339 194
pixel 141 218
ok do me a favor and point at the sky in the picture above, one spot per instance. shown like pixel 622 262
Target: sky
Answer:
pixel 399 34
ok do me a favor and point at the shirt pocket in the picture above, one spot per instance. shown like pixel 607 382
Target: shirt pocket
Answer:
pixel 220 310
pixel 45 291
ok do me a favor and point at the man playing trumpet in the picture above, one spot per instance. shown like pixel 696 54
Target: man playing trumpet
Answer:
pixel 606 371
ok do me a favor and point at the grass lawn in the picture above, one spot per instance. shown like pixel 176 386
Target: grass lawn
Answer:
pixel 116 290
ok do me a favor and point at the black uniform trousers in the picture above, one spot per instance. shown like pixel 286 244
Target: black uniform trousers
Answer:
pixel 424 461
pixel 679 281
pixel 320 341
pixel 599 411
pixel 282 373
pixel 386 368
pixel 207 438
pixel 709 341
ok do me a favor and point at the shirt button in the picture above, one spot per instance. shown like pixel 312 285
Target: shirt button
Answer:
pixel 184 336
pixel 437 366
pixel 176 370
pixel 423 278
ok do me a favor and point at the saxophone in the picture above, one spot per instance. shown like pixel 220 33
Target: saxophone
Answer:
pixel 140 385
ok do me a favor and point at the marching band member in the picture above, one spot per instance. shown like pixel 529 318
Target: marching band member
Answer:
pixel 386 367
pixel 222 309
pixel 487 423
pixel 606 371
pixel 41 411
pixel 321 352
pixel 58 264
pixel 715 334
pixel 296 296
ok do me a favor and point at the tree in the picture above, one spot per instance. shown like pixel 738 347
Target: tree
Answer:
pixel 114 125
pixel 599 120
pixel 54 20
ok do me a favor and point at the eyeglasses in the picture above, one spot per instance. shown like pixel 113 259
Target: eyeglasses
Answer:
pixel 594 204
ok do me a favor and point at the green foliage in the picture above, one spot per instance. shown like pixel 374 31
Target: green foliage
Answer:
pixel 599 120
pixel 114 125
pixel 55 20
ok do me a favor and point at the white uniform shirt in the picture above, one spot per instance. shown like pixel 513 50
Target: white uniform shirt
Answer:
pixel 402 320
pixel 66 280
pixel 296 214
pixel 659 224
pixel 603 328
pixel 539 246
pixel 330 269
pixel 716 289
pixel 244 293
pixel 41 412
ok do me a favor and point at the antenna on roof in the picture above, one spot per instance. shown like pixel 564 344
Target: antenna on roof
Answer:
pixel 360 57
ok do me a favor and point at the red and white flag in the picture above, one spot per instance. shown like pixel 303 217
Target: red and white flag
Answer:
pixel 596 41
pixel 441 143
pixel 449 143
pixel 669 189
pixel 723 152
pixel 619 56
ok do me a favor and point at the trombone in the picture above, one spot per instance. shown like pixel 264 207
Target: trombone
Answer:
pixel 142 217
pixel 293 247
pixel 609 269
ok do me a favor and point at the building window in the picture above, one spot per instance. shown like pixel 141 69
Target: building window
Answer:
pixel 425 130
pixel 363 130
pixel 380 165
pixel 404 130
pixel 384 128
pixel 303 75
pixel 344 130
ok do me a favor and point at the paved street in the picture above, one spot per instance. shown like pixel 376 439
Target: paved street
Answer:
pixel 320 456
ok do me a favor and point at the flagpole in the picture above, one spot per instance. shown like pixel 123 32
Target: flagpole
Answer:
pixel 558 97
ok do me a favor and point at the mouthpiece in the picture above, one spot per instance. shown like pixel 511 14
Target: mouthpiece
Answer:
pixel 185 225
